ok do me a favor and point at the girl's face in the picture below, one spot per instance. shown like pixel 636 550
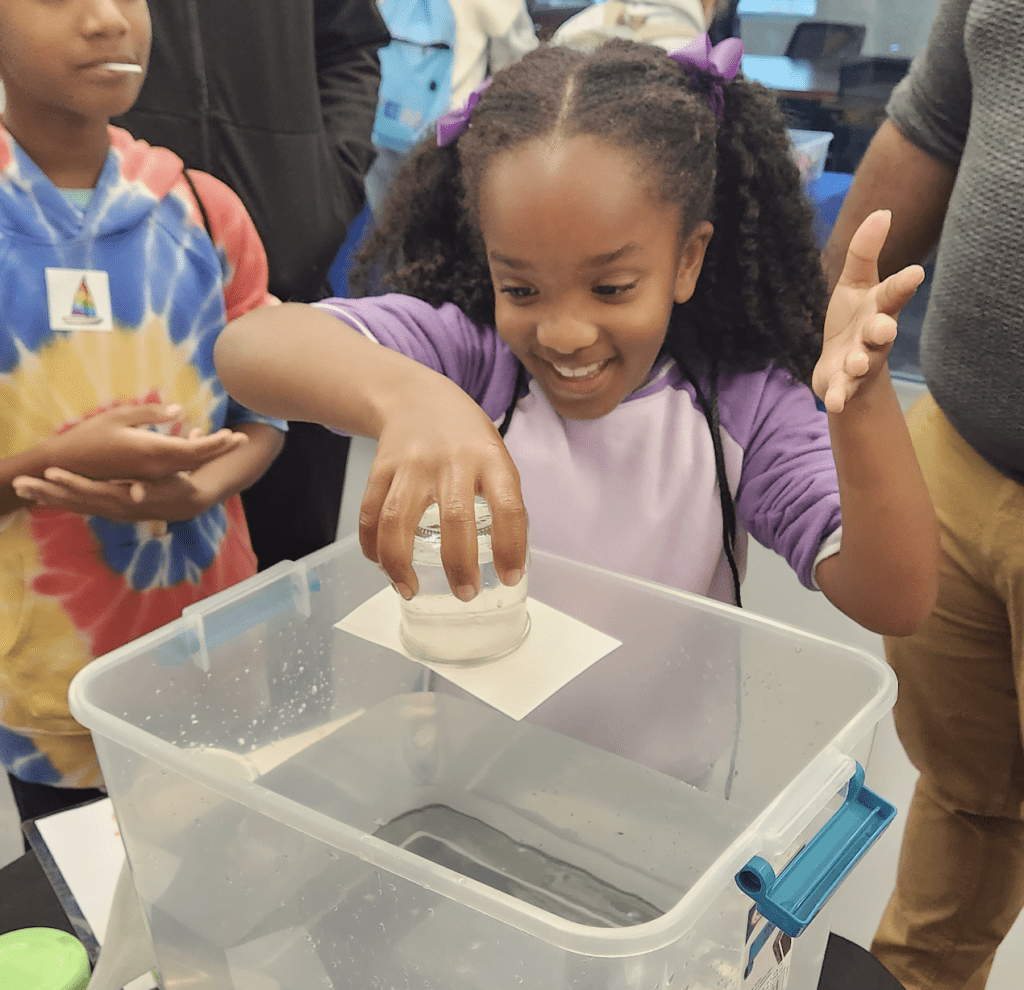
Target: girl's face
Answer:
pixel 52 53
pixel 586 264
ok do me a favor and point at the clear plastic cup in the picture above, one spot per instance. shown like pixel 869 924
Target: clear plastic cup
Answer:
pixel 438 627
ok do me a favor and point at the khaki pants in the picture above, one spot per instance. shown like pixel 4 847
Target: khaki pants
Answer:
pixel 960 883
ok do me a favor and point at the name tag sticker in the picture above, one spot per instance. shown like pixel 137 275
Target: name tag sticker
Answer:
pixel 78 299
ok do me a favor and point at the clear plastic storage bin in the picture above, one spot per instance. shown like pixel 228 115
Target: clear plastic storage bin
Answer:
pixel 810 149
pixel 302 809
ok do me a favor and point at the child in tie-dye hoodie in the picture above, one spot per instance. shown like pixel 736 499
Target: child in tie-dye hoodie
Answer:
pixel 121 456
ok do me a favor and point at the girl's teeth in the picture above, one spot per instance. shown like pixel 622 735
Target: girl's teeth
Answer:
pixel 578 372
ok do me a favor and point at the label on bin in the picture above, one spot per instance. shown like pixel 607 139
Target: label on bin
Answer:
pixel 766 953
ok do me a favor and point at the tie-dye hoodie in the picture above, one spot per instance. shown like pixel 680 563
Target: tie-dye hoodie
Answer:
pixel 74 587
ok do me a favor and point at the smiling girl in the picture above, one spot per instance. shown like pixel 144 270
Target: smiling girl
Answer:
pixel 610 312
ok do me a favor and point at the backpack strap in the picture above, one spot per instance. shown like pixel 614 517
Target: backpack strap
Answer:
pixel 709 406
pixel 199 202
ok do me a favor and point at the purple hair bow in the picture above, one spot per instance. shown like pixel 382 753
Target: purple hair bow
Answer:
pixel 452 125
pixel 721 62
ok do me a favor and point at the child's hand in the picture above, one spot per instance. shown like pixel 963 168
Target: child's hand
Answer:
pixel 174 498
pixel 116 444
pixel 439 446
pixel 860 325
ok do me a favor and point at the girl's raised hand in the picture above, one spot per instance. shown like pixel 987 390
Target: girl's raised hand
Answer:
pixel 860 325
pixel 439 446
pixel 118 443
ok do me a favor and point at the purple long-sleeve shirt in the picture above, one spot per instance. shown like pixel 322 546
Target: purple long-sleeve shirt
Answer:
pixel 635 491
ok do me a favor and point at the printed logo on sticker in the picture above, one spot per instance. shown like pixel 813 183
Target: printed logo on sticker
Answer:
pixel 78 299
pixel 767 954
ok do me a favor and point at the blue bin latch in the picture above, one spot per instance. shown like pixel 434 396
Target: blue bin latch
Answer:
pixel 792 900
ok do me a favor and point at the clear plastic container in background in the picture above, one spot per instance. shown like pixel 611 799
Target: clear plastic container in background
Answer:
pixel 301 807
pixel 810 150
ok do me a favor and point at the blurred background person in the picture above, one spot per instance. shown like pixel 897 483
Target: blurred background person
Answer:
pixel 949 162
pixel 667 23
pixel 440 52
pixel 277 99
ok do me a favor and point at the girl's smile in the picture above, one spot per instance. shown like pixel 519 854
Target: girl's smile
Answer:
pixel 585 273
pixel 576 383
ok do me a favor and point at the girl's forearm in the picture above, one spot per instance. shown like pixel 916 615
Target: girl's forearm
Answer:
pixel 297 362
pixel 886 575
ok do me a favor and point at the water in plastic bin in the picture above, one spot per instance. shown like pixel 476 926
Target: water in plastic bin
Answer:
pixel 510 805
pixel 474 794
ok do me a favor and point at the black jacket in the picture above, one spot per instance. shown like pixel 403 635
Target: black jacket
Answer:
pixel 277 99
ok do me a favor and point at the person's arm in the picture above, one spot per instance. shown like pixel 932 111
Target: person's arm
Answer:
pixel 910 166
pixel 885 575
pixel 178 496
pixel 348 35
pixel 434 443
pixel 237 470
pixel 114 444
pixel 895 175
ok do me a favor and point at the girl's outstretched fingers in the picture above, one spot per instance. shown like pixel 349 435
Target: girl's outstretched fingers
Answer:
pixel 860 325
pixel 880 331
pixel 377 486
pixel 861 267
pixel 835 394
pixel 898 289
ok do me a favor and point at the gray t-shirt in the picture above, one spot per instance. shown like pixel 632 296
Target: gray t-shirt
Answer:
pixel 963 104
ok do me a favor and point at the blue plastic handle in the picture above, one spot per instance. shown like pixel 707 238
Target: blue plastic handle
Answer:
pixel 792 900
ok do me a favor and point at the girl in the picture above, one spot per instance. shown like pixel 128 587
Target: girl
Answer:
pixel 611 303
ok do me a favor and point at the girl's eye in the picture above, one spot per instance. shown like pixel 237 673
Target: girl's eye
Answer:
pixel 518 291
pixel 613 290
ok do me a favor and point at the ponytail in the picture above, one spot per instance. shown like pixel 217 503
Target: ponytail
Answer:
pixel 424 244
pixel 761 296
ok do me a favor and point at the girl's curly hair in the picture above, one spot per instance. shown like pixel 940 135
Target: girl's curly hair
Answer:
pixel 761 295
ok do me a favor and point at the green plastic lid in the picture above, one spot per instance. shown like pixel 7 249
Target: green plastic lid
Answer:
pixel 42 959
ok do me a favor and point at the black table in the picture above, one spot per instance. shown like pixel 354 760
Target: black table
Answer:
pixel 27 901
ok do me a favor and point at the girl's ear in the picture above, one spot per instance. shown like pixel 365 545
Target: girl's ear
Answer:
pixel 691 260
